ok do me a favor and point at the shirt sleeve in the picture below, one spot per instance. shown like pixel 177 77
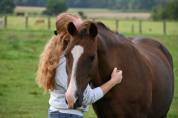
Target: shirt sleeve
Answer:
pixel 92 95
pixel 61 74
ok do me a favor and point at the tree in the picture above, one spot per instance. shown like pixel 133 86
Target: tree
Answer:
pixel 172 10
pixel 166 11
pixel 55 7
pixel 7 6
pixel 159 13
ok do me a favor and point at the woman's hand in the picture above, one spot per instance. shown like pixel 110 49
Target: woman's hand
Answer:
pixel 116 76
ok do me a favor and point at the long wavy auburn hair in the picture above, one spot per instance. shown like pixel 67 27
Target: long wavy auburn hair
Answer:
pixel 50 56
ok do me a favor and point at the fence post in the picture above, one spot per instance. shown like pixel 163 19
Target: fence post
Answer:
pixel 26 22
pixel 164 28
pixel 5 21
pixel 117 25
pixel 93 19
pixel 49 23
pixel 140 26
pixel 133 28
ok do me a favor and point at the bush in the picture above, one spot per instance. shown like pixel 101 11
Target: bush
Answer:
pixel 172 10
pixel 7 6
pixel 159 13
pixel 169 11
pixel 54 7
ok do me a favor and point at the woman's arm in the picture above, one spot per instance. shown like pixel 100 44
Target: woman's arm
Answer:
pixel 116 78
pixel 92 95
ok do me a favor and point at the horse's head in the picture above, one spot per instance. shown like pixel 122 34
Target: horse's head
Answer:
pixel 81 56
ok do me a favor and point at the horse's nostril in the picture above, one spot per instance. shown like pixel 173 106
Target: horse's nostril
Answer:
pixel 79 97
pixel 77 94
pixel 77 104
pixel 66 101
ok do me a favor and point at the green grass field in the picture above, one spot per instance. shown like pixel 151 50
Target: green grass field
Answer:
pixel 20 97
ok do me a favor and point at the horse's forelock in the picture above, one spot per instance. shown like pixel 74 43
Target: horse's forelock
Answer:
pixel 84 28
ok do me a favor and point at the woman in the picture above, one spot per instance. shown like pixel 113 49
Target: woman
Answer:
pixel 52 74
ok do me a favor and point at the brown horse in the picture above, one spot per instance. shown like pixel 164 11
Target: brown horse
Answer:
pixel 146 90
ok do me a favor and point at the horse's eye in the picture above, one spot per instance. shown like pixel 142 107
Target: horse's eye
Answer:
pixel 66 55
pixel 92 57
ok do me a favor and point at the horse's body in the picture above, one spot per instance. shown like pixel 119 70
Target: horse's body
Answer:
pixel 146 90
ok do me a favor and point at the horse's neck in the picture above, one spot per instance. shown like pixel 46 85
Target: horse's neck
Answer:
pixel 112 53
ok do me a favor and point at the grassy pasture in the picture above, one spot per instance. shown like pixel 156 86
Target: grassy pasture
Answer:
pixel 89 12
pixel 94 12
pixel 19 95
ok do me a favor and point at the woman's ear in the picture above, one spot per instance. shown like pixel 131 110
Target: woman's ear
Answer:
pixel 72 30
pixel 93 30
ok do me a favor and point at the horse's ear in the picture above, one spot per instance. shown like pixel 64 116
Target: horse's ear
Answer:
pixel 72 30
pixel 93 30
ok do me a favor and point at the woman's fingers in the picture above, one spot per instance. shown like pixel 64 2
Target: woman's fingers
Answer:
pixel 116 75
pixel 115 69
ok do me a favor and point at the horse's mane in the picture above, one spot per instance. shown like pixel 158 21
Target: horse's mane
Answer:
pixel 102 29
pixel 102 25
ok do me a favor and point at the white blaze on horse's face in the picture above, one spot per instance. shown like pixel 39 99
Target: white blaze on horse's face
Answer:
pixel 77 51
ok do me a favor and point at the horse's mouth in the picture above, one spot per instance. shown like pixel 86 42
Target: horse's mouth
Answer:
pixel 70 99
pixel 74 101
pixel 78 104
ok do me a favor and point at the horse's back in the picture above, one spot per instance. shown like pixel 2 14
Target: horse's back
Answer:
pixel 161 65
pixel 147 42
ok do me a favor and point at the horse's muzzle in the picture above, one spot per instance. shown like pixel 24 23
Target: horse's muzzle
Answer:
pixel 70 100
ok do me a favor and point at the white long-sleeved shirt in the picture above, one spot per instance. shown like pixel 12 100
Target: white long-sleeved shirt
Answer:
pixel 57 96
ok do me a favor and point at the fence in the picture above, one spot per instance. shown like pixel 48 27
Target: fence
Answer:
pixel 142 26
pixel 124 26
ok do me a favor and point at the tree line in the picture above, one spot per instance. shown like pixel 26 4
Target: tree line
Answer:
pixel 160 9
pixel 30 2
pixel 167 11
pixel 124 5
